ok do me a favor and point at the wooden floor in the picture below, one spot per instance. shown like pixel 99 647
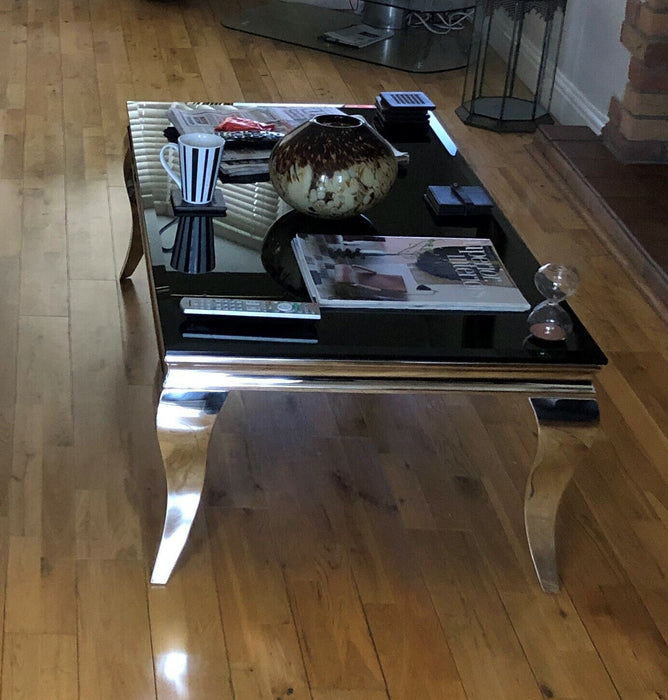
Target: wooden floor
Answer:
pixel 628 201
pixel 352 548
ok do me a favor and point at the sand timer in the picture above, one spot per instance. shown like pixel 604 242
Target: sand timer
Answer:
pixel 548 320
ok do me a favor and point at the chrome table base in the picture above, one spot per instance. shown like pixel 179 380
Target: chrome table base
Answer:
pixel 193 395
pixel 566 430
pixel 184 422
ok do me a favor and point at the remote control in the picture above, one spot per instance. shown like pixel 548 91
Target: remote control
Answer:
pixel 251 138
pixel 220 306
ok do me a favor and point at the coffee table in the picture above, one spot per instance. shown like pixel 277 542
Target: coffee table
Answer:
pixel 346 351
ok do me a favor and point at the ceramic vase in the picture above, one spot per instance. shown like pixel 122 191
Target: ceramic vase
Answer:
pixel 332 167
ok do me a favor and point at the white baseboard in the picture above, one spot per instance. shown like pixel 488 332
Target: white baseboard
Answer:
pixel 569 104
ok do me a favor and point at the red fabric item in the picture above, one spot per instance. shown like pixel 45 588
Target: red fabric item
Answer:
pixel 239 124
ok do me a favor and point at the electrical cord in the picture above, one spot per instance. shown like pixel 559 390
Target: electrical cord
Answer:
pixel 440 22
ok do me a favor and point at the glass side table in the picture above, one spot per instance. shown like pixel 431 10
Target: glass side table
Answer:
pixel 412 49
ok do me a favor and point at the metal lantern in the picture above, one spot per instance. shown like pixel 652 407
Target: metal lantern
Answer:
pixel 512 64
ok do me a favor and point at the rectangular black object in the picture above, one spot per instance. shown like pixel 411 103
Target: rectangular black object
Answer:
pixel 453 199
pixel 406 100
pixel 403 117
pixel 217 207
pixel 266 330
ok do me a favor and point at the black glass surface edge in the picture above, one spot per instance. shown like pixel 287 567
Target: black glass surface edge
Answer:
pixel 446 336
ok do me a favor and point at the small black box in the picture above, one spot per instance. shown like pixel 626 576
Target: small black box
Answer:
pixel 217 207
pixel 453 199
pixel 405 101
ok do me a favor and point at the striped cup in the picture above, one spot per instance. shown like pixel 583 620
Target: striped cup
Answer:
pixel 199 158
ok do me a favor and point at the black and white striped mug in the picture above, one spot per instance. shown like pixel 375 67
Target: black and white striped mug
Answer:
pixel 199 159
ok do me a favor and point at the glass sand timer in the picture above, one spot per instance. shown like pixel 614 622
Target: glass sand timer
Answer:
pixel 548 320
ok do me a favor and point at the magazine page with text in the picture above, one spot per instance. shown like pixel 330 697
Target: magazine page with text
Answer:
pixel 406 272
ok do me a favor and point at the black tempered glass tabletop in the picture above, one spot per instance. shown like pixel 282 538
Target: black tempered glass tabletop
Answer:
pixel 252 257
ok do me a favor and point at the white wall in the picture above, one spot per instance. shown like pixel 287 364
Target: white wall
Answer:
pixel 593 63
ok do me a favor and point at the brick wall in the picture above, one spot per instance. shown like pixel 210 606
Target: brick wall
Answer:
pixel 638 128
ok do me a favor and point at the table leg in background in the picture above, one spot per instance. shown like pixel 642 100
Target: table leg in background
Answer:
pixel 136 247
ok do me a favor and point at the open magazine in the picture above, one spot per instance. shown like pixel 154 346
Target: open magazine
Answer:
pixel 400 272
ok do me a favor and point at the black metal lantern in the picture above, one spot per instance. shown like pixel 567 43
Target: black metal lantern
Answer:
pixel 525 35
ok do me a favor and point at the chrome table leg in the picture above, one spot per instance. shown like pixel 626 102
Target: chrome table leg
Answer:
pixel 566 429
pixel 184 423
pixel 136 246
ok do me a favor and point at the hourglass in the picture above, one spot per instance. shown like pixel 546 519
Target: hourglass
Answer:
pixel 548 320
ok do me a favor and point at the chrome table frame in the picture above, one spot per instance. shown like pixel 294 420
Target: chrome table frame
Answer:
pixel 193 393
pixel 194 389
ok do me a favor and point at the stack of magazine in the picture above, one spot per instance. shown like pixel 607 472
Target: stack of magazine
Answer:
pixel 400 272
pixel 244 158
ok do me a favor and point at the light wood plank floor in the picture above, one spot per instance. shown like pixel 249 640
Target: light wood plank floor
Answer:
pixel 351 548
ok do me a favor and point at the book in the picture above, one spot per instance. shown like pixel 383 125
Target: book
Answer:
pixel 403 272
pixel 455 199
pixel 358 35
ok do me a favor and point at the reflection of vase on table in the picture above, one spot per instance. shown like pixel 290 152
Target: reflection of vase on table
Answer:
pixel 333 166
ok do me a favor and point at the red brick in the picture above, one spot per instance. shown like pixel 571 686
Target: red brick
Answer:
pixel 651 22
pixel 647 79
pixel 654 104
pixel 634 151
pixel 653 51
pixel 632 11
pixel 615 112
pixel 660 5
pixel 643 128
pixel 634 40
pixel 656 54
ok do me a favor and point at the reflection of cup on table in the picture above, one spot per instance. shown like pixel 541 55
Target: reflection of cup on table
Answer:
pixel 193 250
pixel 199 158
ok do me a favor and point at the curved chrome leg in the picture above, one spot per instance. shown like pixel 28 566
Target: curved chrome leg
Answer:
pixel 135 247
pixel 184 423
pixel 566 429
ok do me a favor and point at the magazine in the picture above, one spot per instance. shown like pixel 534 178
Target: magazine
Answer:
pixel 250 159
pixel 358 35
pixel 283 118
pixel 401 272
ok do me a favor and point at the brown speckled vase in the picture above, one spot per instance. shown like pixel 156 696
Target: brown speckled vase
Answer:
pixel 333 166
